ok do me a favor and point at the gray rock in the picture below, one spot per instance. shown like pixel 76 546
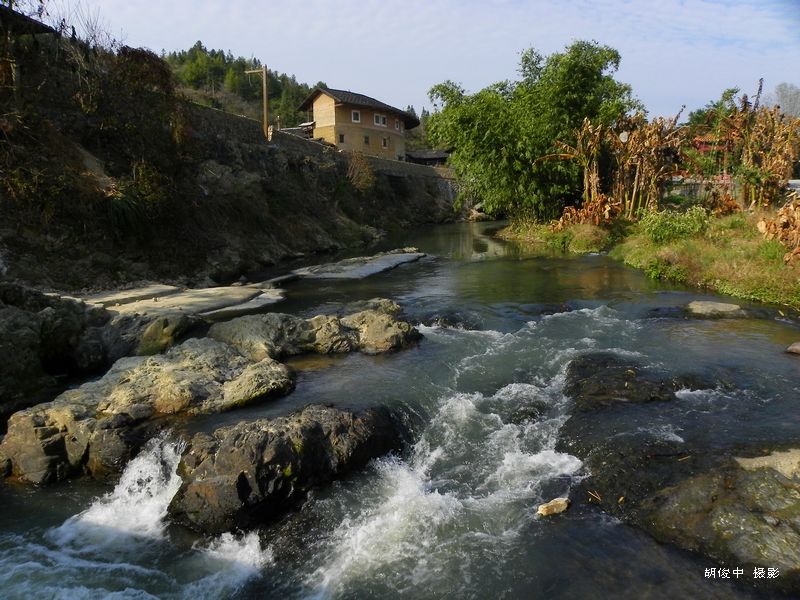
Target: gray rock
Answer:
pixel 250 473
pixel 96 427
pixel 704 308
pixel 278 335
pixel 361 266
pixel 794 348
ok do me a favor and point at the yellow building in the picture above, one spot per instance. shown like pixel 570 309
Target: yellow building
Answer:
pixel 353 121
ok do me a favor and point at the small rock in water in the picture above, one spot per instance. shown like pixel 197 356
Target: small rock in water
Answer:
pixel 555 506
pixel 703 308
pixel 794 348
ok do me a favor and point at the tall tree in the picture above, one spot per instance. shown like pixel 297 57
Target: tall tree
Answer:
pixel 499 134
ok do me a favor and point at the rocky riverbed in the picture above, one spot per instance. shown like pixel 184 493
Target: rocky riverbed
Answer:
pixel 504 415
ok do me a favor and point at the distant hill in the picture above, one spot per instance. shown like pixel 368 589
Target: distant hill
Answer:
pixel 217 78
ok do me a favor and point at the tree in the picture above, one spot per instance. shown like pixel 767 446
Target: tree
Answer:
pixel 500 134
pixel 787 96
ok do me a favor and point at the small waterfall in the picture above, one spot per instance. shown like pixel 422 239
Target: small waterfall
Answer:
pixel 120 547
pixel 134 511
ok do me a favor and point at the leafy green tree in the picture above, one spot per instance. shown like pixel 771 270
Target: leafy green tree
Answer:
pixel 499 134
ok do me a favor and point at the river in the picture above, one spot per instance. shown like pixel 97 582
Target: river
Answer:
pixel 455 515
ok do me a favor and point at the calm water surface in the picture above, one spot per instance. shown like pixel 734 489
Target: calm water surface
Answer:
pixel 455 515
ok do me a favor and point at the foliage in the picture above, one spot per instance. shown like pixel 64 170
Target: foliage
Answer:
pixel 500 134
pixel 360 172
pixel 784 227
pixel 743 141
pixel 730 258
pixel 224 84
pixel 668 225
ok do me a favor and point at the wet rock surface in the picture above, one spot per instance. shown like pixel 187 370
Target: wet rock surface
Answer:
pixel 250 473
pixel 734 505
pixel 97 427
pixel 601 379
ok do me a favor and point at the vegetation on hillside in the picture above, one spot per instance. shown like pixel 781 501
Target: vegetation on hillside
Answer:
pixel 218 79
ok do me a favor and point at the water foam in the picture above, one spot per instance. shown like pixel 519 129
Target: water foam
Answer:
pixel 134 511
pixel 109 549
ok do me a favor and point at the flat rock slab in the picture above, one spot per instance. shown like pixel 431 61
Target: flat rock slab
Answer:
pixel 194 302
pixel 705 308
pixel 269 296
pixel 110 299
pixel 361 266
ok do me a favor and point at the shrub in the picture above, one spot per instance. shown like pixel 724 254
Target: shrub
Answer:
pixel 665 226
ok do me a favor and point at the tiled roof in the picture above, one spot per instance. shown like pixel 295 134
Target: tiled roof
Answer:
pixel 354 99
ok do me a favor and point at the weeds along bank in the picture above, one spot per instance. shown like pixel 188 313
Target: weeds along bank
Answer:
pixel 725 254
pixel 109 177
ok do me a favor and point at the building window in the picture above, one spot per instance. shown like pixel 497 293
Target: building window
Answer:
pixel 397 124
pixel 341 138
pixel 356 116
pixel 366 140
pixel 380 120
pixel 385 142
pixel 377 119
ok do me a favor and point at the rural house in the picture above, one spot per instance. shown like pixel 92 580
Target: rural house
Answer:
pixel 353 121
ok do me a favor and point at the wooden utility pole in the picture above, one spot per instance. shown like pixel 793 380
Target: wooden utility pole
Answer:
pixel 263 72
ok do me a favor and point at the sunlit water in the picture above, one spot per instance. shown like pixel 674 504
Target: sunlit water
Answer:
pixel 455 515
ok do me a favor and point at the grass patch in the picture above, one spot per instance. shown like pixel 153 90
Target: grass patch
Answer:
pixel 575 239
pixel 729 257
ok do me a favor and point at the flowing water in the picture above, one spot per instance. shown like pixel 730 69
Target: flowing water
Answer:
pixel 455 515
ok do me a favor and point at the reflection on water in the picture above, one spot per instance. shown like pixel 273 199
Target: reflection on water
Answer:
pixel 455 515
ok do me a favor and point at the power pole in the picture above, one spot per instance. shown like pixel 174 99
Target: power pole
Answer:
pixel 263 72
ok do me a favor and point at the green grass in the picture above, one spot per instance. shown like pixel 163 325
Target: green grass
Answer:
pixel 729 257
pixel 577 239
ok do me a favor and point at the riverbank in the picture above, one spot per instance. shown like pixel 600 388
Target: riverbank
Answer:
pixel 729 256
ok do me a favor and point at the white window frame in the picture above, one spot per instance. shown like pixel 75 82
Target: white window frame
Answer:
pixel 355 116
pixel 379 120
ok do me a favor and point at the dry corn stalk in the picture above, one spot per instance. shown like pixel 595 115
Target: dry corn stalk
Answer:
pixel 601 211
pixel 785 227
pixel 645 154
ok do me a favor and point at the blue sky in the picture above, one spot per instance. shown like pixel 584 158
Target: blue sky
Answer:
pixel 674 52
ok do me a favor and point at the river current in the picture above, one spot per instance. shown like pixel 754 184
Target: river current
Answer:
pixel 454 516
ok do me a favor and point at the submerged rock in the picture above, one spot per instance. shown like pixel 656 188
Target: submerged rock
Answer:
pixel 96 427
pixel 741 511
pixel 249 473
pixel 603 378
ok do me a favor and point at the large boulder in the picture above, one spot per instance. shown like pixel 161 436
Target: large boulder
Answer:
pixel 373 330
pixel 249 473
pixel 98 426
pixel 44 336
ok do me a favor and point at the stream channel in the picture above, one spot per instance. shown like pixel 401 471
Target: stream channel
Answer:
pixel 454 516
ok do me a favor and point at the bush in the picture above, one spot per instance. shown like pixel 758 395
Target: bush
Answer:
pixel 667 225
